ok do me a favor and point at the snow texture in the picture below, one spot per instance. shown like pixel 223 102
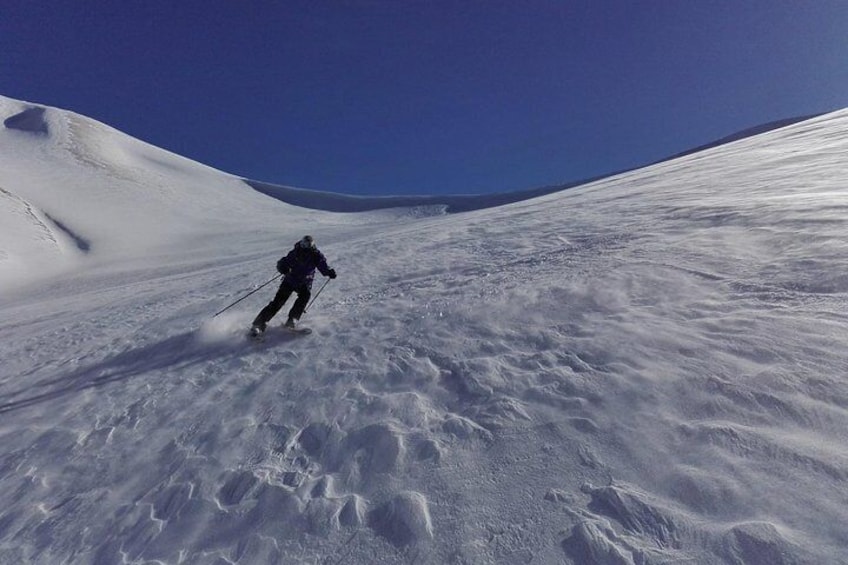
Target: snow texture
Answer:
pixel 646 369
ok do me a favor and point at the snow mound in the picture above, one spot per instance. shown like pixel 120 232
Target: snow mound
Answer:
pixel 761 543
pixel 402 520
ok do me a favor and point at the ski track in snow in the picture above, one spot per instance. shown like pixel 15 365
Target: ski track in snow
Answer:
pixel 648 369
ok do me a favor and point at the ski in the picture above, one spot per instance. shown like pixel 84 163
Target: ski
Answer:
pixel 300 331
pixel 260 336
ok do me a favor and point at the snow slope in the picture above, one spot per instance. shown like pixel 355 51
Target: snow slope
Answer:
pixel 74 189
pixel 647 369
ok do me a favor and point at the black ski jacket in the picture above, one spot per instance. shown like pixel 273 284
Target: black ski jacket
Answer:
pixel 299 266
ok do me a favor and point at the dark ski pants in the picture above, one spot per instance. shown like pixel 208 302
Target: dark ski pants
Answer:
pixel 303 294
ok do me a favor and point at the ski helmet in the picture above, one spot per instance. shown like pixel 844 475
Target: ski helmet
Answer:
pixel 307 242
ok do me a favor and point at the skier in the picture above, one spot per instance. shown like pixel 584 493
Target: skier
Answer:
pixel 298 268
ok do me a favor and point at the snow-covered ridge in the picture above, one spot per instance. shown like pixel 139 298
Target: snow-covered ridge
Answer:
pixel 646 369
pixel 75 189
pixel 335 202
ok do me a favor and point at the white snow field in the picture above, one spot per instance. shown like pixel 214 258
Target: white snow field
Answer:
pixel 649 369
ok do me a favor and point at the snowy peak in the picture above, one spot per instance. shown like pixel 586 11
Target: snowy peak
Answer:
pixel 75 189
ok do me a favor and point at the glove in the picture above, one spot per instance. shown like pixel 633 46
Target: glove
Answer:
pixel 332 273
pixel 282 268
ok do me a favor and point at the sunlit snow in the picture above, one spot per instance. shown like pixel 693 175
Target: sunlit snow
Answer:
pixel 646 369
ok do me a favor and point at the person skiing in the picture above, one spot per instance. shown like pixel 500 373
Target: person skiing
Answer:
pixel 298 270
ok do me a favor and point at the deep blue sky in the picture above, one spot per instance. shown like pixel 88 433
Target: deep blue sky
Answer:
pixel 414 97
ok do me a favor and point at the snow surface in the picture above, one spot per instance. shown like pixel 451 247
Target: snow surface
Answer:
pixel 646 369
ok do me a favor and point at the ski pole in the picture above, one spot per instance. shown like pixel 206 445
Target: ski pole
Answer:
pixel 246 295
pixel 314 298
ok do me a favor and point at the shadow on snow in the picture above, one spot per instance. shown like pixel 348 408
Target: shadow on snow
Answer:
pixel 173 354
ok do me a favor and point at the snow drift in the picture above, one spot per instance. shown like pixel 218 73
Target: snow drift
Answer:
pixel 646 369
